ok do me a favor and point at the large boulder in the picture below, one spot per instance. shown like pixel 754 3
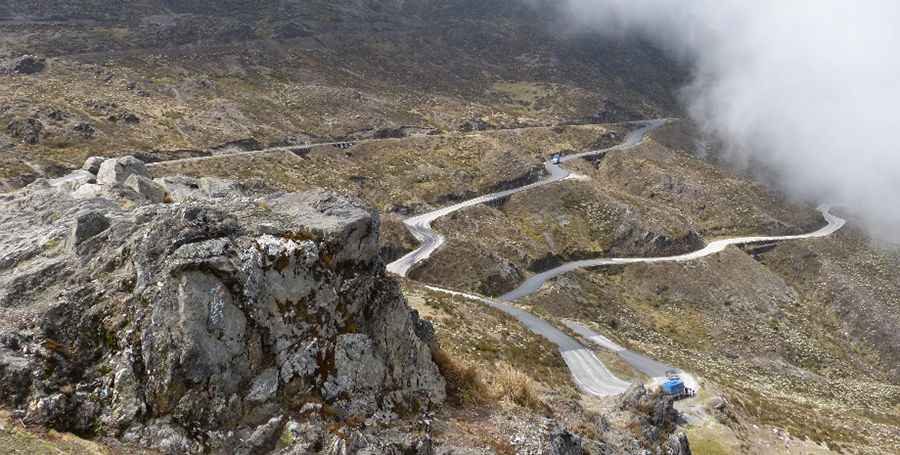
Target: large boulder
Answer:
pixel 563 442
pixel 73 181
pixel 93 163
pixel 117 170
pixel 197 326
pixel 27 64
pixel 150 190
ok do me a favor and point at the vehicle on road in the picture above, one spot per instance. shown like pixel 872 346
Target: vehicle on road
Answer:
pixel 674 387
pixel 556 158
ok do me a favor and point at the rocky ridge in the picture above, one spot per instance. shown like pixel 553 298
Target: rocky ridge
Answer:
pixel 189 315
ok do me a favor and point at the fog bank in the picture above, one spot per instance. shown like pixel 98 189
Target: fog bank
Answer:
pixel 811 89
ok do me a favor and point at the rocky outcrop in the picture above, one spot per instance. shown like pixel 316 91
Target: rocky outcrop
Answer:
pixel 26 64
pixel 117 170
pixel 198 325
pixel 562 442
pixel 93 163
pixel 27 130
pixel 654 419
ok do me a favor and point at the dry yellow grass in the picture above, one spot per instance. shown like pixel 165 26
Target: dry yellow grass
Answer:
pixel 512 385
pixel 464 385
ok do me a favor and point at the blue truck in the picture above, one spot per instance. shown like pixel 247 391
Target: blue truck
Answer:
pixel 556 158
pixel 673 386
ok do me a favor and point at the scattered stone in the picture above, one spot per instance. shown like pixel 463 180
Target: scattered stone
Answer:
pixel 84 129
pixel 472 125
pixel 127 117
pixel 100 106
pixel 117 170
pixel 28 130
pixel 28 64
pixel 58 115
pixel 718 403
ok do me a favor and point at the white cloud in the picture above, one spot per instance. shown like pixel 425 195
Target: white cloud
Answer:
pixel 809 88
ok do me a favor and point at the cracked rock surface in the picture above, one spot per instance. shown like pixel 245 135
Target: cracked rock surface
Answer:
pixel 198 325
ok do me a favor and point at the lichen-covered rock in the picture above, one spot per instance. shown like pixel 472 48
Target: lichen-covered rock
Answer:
pixel 88 225
pixel 677 444
pixel 181 188
pixel 563 442
pixel 652 413
pixel 73 181
pixel 28 64
pixel 28 130
pixel 93 163
pixel 147 188
pixel 195 326
pixel 215 188
pixel 117 170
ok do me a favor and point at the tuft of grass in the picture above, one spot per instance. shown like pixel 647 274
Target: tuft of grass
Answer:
pixel 464 385
pixel 514 386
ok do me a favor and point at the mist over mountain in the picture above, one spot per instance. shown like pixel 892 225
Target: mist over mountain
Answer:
pixel 810 91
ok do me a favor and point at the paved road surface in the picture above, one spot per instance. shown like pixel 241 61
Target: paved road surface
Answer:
pixel 644 364
pixel 587 370
pixel 429 240
pixel 533 284
pixel 293 148
pixel 289 148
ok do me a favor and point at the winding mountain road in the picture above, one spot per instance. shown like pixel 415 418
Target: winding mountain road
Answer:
pixel 420 226
pixel 588 372
pixel 533 284
pixel 304 147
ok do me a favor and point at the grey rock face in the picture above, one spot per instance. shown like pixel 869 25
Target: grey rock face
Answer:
pixel 206 317
pixel 27 64
pixel 218 188
pixel 28 130
pixel 677 445
pixel 653 413
pixel 93 163
pixel 181 188
pixel 562 442
pixel 15 376
pixel 117 170
pixel 150 190
pixel 73 181
pixel 88 225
